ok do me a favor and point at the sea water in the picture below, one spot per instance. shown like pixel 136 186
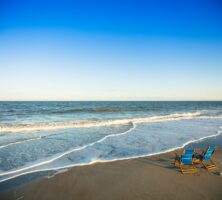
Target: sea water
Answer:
pixel 38 136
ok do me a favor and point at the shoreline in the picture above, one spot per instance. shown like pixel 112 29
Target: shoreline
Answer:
pixel 114 160
pixel 49 184
pixel 154 176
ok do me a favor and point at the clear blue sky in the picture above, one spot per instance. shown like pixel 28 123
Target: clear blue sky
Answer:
pixel 111 50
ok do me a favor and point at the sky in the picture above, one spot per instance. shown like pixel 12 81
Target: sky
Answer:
pixel 110 50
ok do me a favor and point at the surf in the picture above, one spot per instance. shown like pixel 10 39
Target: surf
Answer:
pixel 95 123
pixel 133 126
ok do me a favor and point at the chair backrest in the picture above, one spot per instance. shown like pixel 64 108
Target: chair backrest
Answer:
pixel 187 157
pixel 209 153
pixel 189 151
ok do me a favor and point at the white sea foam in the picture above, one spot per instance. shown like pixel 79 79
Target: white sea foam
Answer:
pixel 211 117
pixel 113 160
pixel 68 152
pixel 18 142
pixel 73 124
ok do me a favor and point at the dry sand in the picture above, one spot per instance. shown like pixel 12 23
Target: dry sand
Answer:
pixel 141 178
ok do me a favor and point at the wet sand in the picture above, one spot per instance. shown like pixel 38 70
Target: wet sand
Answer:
pixel 142 178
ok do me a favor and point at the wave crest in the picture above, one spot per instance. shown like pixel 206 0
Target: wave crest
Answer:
pixel 93 123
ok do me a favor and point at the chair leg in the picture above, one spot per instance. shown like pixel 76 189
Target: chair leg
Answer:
pixel 191 170
pixel 210 167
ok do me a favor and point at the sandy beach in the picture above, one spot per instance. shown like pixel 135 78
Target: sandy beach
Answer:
pixel 142 178
pixel 110 100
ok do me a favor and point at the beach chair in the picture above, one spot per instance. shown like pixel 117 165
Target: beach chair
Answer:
pixel 205 158
pixel 185 162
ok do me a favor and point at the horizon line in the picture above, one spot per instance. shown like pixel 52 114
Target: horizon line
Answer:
pixel 82 100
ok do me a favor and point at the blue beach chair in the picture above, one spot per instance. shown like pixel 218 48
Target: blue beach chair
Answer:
pixel 205 158
pixel 185 162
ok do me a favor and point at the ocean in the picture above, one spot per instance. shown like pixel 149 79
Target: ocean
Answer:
pixel 40 136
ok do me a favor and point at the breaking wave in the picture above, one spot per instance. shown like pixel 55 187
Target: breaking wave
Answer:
pixel 93 123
